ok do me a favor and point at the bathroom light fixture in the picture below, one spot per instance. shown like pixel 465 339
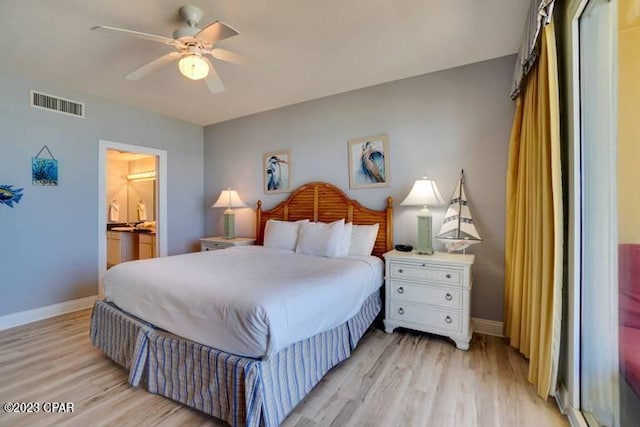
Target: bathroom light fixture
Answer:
pixel 424 192
pixel 193 67
pixel 229 199
pixel 142 176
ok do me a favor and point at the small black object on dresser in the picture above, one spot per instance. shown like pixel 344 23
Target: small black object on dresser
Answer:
pixel 404 248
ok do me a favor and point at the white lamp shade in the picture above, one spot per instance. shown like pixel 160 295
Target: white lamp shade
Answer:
pixel 229 199
pixel 424 192
pixel 193 67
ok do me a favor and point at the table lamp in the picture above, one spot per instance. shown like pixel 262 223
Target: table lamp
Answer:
pixel 229 199
pixel 424 192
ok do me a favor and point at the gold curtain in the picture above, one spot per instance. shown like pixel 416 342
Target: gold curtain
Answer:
pixel 533 253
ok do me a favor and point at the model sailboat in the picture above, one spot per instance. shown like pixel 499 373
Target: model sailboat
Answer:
pixel 458 232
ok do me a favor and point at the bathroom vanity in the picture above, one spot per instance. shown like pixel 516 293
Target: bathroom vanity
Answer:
pixel 120 247
pixel 128 244
pixel 146 246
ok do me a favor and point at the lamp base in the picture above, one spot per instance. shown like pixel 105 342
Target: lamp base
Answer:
pixel 229 225
pixel 425 235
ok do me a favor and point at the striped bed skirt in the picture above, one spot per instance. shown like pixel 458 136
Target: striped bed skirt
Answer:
pixel 239 390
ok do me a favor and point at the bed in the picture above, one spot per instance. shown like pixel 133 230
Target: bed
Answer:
pixel 245 366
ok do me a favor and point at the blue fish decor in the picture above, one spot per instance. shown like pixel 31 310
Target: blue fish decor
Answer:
pixel 10 195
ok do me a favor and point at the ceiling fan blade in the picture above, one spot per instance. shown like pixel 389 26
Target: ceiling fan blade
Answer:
pixel 213 80
pixel 215 32
pixel 138 34
pixel 153 65
pixel 228 56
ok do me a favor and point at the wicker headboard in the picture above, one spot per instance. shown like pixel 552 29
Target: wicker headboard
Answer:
pixel 324 202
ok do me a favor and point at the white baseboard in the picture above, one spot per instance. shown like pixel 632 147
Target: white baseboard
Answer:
pixel 562 398
pixel 23 317
pixel 487 327
pixel 575 417
pixel 573 414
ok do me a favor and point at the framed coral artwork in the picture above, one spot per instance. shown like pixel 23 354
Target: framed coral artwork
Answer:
pixel 44 171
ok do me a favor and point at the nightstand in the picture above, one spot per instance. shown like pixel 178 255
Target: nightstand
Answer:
pixel 213 243
pixel 429 293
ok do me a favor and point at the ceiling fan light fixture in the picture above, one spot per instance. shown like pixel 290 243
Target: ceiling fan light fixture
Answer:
pixel 193 67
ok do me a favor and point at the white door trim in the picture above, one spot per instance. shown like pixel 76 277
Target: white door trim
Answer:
pixel 161 201
pixel 576 9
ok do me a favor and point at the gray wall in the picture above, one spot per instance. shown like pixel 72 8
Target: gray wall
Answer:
pixel 437 124
pixel 48 242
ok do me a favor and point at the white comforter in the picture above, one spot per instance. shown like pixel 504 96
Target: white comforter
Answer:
pixel 250 301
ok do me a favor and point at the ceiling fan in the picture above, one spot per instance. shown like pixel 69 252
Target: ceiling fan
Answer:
pixel 192 44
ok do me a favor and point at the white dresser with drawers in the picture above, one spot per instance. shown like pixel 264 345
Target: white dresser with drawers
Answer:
pixel 429 293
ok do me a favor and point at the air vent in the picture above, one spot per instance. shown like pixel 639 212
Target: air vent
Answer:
pixel 55 104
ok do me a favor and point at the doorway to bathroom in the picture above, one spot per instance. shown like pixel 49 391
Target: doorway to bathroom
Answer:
pixel 132 208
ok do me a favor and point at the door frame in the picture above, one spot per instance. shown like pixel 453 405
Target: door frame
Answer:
pixel 160 203
pixel 576 8
pixel 574 244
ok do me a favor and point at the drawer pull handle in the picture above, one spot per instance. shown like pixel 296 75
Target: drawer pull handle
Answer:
pixel 448 319
pixel 448 297
pixel 424 265
pixel 401 310
pixel 399 270
pixel 401 290
pixel 448 276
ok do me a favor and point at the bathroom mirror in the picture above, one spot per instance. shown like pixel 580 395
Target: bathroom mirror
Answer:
pixel 141 201
pixel 130 184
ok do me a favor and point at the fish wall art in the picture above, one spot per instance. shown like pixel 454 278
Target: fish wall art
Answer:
pixel 10 195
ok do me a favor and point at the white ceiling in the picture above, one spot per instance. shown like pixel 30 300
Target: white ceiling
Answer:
pixel 298 49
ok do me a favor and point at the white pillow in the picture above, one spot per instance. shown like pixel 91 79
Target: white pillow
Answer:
pixel 345 241
pixel 363 238
pixel 320 239
pixel 282 234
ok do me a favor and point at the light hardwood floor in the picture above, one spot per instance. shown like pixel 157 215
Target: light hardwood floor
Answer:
pixel 402 379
